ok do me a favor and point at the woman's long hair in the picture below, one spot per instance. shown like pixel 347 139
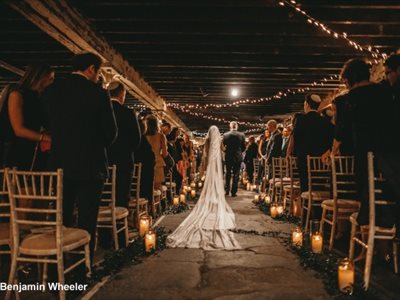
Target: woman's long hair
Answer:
pixel 33 75
pixel 151 125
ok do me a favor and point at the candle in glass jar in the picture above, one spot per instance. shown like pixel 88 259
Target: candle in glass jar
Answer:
pixel 279 209
pixel 297 237
pixel 267 199
pixel 193 193
pixel 273 211
pixel 150 241
pixel 182 198
pixel 262 196
pixel 203 178
pixel 193 185
pixel 185 188
pixel 248 186
pixel 254 187
pixel 144 225
pixel 316 243
pixel 200 184
pixel 346 276
pixel 188 189
pixel 256 198
pixel 176 200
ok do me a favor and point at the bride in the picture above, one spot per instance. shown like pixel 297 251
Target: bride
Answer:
pixel 207 226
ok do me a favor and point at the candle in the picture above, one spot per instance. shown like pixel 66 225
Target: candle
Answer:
pixel 176 200
pixel 193 185
pixel 262 196
pixel 185 188
pixel 188 189
pixel 297 237
pixel 273 211
pixel 193 193
pixel 256 198
pixel 346 276
pixel 200 184
pixel 279 209
pixel 316 243
pixel 203 178
pixel 144 225
pixel 254 187
pixel 183 198
pixel 248 186
pixel 150 241
pixel 267 199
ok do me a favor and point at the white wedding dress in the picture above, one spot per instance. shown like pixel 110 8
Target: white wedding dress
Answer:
pixel 207 226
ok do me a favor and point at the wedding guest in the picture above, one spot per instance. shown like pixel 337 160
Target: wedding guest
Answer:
pixel 251 154
pixel 166 128
pixel 176 176
pixel 82 125
pixel 22 118
pixel 159 146
pixel 286 132
pixel 121 151
pixel 274 145
pixel 262 153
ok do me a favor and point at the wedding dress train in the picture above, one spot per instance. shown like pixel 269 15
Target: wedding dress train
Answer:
pixel 207 226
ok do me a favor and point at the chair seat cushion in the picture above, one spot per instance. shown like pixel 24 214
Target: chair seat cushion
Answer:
pixel 105 214
pixel 132 202
pixel 157 193
pixel 289 187
pixel 168 184
pixel 45 243
pixel 321 195
pixel 284 179
pixel 343 205
pixel 4 233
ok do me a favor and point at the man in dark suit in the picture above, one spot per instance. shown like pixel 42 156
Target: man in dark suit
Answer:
pixel 251 154
pixel 312 135
pixel 234 142
pixel 121 151
pixel 287 131
pixel 82 125
pixel 274 146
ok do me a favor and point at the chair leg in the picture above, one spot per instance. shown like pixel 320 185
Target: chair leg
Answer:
pixel 321 225
pixel 352 242
pixel 60 271
pixel 333 231
pixel 126 232
pixel 45 265
pixel 301 210
pixel 11 277
pixel 368 263
pixel 87 260
pixel 115 235
pixel 395 258
pixel 309 207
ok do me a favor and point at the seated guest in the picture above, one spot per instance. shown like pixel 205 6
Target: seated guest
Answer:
pixel 21 119
pixel 121 151
pixel 82 125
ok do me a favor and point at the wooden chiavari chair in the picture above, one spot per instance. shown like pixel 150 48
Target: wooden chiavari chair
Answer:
pixel 291 191
pixel 256 170
pixel 47 246
pixel 138 206
pixel 5 239
pixel 279 178
pixel 171 185
pixel 110 215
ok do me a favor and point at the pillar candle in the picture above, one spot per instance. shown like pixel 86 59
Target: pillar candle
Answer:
pixel 316 243
pixel 144 225
pixel 150 241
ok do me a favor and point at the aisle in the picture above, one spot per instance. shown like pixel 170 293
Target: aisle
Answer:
pixel 264 269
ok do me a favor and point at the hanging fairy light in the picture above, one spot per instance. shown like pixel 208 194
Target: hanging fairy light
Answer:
pixel 375 53
pixel 278 96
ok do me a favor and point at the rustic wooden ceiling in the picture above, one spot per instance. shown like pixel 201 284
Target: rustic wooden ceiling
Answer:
pixel 185 49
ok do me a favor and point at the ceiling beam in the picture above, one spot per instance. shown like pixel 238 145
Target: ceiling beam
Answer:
pixel 11 68
pixel 65 24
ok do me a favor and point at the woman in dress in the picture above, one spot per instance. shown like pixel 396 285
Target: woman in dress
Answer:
pixel 208 225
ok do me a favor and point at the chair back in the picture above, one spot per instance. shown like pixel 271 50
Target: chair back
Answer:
pixel 4 201
pixel 293 170
pixel 44 193
pixel 136 178
pixel 108 196
pixel 343 177
pixel 319 174
pixel 280 167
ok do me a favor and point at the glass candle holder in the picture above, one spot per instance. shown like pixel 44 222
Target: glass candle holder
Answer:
pixel 176 200
pixel 267 199
pixel 297 237
pixel 200 184
pixel 273 211
pixel 182 198
pixel 280 209
pixel 193 185
pixel 150 241
pixel 144 225
pixel 256 198
pixel 317 243
pixel 346 276
pixel 193 193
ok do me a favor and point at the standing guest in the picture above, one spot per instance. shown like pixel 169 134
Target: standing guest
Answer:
pixel 166 128
pixel 180 156
pixel 82 124
pixel 159 147
pixel 312 135
pixel 274 145
pixel 144 155
pixel 176 176
pixel 22 118
pixel 120 153
pixel 262 153
pixel 286 132
pixel 251 154
pixel 234 142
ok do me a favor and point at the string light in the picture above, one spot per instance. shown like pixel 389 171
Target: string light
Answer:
pixel 278 96
pixel 375 53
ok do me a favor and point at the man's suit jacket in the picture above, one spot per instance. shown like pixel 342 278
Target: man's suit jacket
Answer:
pixel 128 140
pixel 234 142
pixel 274 146
pixel 82 125
pixel 313 134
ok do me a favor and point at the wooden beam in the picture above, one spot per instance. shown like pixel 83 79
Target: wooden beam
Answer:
pixel 65 24
pixel 11 68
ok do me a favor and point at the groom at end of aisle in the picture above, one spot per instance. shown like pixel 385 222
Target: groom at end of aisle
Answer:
pixel 234 142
